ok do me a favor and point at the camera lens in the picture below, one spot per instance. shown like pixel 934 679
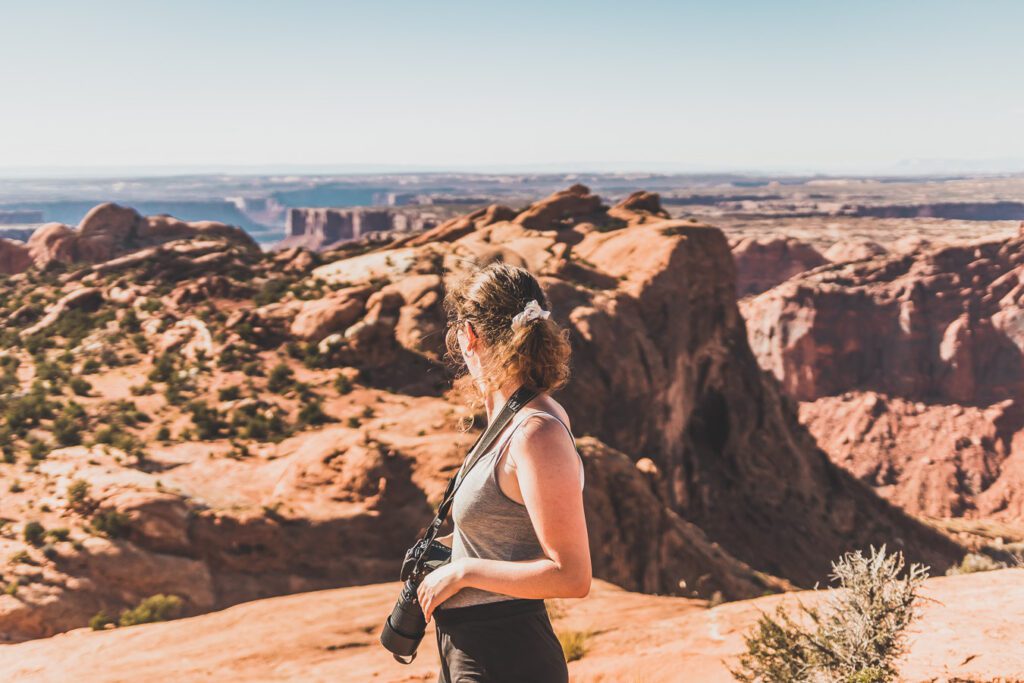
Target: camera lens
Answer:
pixel 404 628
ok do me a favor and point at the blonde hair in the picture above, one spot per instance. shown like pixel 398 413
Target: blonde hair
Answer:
pixel 535 353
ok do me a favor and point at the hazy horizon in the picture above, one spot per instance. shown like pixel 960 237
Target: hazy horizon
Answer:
pixel 784 87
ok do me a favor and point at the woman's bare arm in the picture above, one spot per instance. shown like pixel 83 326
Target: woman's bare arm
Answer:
pixel 548 472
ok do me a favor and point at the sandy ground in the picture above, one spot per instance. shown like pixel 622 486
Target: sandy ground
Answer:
pixel 972 627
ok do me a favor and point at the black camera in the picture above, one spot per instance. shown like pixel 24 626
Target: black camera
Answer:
pixel 404 628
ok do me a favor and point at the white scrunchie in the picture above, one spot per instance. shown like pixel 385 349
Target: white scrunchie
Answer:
pixel 531 311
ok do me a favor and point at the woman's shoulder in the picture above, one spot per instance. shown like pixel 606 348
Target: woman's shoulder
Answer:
pixel 546 405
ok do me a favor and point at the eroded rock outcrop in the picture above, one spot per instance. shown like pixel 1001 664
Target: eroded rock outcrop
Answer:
pixel 109 230
pixel 912 370
pixel 762 264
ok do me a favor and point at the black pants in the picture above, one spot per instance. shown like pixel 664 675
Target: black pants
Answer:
pixel 500 642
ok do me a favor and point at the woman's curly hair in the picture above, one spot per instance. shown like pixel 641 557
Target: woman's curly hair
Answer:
pixel 535 353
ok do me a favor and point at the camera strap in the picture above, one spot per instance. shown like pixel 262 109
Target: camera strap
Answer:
pixel 517 400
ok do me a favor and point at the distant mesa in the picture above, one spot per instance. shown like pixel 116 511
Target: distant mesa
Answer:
pixel 324 228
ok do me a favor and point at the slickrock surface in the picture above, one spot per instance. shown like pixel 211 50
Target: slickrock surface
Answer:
pixel 968 630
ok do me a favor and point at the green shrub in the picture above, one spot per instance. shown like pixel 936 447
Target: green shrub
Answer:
pixel 229 393
pixel 312 414
pixel 100 620
pixel 857 636
pixel 207 420
pixel 78 493
pixel 157 607
pixel 111 523
pixel 58 534
pixel 163 370
pixel 34 533
pixel 163 434
pixel 27 411
pixel 272 291
pixel 37 448
pixel 343 384
pixel 281 378
pixel 80 386
pixel 130 321
pixel 67 430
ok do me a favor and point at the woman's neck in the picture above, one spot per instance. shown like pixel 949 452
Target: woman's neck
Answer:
pixel 497 399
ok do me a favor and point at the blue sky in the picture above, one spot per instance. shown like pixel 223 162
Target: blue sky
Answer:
pixel 769 85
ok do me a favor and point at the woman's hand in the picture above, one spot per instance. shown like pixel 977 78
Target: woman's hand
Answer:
pixel 440 584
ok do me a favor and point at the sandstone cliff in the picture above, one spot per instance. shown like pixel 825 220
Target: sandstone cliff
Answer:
pixel 912 370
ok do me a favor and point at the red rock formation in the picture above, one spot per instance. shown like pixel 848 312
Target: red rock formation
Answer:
pixel 930 459
pixel 14 257
pixel 852 250
pixel 912 368
pixel 760 265
pixel 943 325
pixel 562 209
pixel 109 230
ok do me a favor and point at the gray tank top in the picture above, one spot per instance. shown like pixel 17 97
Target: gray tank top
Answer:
pixel 489 524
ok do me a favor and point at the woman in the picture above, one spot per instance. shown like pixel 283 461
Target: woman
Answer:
pixel 520 535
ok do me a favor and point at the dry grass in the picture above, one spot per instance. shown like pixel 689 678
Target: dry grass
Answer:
pixel 574 644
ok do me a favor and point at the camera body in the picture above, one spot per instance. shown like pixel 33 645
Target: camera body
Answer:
pixel 406 624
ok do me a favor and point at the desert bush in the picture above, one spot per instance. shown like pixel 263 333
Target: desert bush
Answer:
pixel 855 638
pixel 110 523
pixel 272 291
pixel 78 493
pixel 130 321
pixel 163 369
pixel 259 423
pixel 229 393
pixel 208 421
pixel 58 534
pixel 343 384
pixel 99 621
pixel 312 414
pixel 977 562
pixel 34 532
pixel 574 644
pixel 27 411
pixel 80 386
pixel 20 557
pixel 157 607
pixel 67 427
pixel 37 448
pixel 281 378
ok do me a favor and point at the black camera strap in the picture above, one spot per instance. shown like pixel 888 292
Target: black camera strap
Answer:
pixel 517 400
